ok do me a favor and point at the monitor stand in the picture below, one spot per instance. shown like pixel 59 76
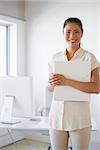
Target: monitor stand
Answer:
pixel 7 109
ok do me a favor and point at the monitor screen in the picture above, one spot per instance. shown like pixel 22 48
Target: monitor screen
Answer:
pixel 21 89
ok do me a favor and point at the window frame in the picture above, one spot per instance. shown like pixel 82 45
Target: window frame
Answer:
pixel 16 63
pixel 5 34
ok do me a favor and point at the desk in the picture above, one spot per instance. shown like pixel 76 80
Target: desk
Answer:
pixel 26 124
pixel 37 124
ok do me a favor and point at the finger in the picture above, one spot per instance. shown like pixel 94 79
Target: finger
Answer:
pixel 58 82
pixel 51 76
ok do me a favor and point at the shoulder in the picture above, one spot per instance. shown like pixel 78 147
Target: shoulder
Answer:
pixel 88 54
pixel 91 57
pixel 57 55
pixel 86 51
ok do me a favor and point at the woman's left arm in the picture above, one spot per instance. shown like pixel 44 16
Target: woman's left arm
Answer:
pixel 89 87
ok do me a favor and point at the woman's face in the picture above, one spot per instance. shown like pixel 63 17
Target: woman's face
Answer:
pixel 72 34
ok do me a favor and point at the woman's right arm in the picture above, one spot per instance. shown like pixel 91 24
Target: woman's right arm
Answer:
pixel 50 85
pixel 53 81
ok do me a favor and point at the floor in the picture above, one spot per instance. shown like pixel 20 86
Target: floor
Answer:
pixel 36 145
pixel 27 145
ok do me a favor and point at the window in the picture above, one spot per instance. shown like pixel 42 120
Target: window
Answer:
pixel 3 50
pixel 11 46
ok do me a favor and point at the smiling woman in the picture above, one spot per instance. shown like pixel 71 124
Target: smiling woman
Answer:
pixel 72 118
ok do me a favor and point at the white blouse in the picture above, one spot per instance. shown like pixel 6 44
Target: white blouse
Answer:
pixel 67 115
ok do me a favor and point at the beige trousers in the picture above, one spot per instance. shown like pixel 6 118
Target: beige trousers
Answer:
pixel 79 139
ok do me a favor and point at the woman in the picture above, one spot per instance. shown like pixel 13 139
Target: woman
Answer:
pixel 72 119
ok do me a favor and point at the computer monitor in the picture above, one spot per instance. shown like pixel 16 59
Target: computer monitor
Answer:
pixel 20 90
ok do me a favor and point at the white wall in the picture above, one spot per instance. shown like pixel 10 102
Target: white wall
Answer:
pixel 13 8
pixel 15 11
pixel 44 36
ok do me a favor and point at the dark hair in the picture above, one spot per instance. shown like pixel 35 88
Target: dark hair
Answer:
pixel 73 20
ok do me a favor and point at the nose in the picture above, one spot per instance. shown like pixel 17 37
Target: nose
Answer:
pixel 72 35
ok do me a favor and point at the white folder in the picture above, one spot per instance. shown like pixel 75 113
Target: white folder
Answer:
pixel 76 70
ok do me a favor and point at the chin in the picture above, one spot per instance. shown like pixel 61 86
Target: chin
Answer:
pixel 73 45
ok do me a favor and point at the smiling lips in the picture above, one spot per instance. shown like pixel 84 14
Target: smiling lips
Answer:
pixel 72 41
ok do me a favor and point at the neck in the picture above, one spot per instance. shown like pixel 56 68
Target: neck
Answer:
pixel 72 50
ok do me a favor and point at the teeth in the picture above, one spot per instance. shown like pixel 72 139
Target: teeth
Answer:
pixel 73 40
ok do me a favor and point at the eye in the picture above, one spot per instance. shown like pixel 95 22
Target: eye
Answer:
pixel 77 31
pixel 67 32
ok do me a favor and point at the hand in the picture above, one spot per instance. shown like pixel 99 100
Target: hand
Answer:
pixel 57 79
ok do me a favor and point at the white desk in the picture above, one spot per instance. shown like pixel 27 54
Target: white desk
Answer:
pixel 41 124
pixel 38 124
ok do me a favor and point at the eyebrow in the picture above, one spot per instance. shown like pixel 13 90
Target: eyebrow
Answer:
pixel 71 30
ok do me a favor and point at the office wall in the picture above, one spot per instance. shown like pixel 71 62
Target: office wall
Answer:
pixel 44 23
pixel 12 8
pixel 16 10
